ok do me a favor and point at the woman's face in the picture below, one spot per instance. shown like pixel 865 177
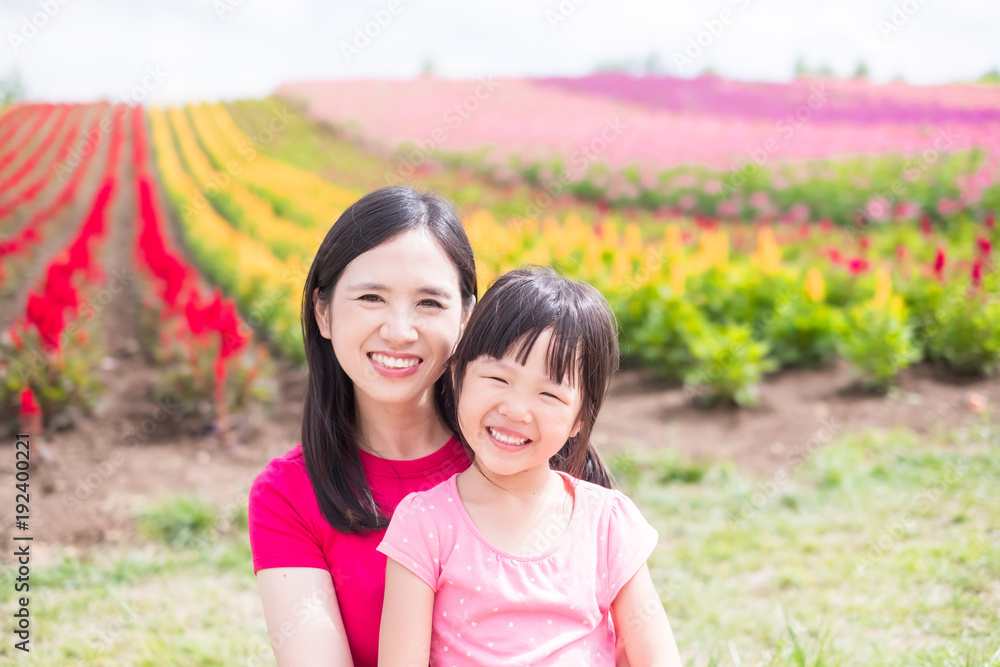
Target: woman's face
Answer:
pixel 395 317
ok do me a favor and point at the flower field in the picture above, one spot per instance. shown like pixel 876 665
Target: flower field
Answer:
pixel 714 301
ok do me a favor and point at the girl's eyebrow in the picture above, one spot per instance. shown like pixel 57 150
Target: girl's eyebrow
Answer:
pixel 428 290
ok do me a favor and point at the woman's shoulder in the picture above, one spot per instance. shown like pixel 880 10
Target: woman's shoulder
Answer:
pixel 283 471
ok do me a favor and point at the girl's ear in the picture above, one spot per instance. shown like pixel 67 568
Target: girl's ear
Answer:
pixel 322 314
pixel 576 428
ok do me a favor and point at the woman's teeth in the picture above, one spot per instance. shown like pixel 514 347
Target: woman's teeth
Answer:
pixel 393 362
pixel 507 440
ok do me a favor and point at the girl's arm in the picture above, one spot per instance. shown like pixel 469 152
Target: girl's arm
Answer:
pixel 639 618
pixel 303 617
pixel 404 638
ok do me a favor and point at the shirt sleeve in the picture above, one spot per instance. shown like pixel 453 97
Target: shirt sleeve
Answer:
pixel 631 541
pixel 281 532
pixel 412 540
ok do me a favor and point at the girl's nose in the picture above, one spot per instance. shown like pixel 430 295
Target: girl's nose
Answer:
pixel 515 409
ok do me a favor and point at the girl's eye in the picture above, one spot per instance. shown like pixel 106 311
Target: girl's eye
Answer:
pixel 552 396
pixel 498 379
pixel 431 302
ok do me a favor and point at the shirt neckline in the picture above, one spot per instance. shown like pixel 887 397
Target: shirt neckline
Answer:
pixel 569 480
pixel 450 452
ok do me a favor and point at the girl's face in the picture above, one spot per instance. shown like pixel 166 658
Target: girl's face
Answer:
pixel 514 417
pixel 396 315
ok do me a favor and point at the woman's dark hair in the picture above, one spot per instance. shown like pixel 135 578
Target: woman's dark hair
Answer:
pixel 514 312
pixel 329 428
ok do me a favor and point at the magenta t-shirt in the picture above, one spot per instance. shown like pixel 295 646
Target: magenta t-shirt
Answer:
pixel 288 530
pixel 492 607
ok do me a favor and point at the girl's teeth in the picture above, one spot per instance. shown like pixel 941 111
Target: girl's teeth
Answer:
pixel 392 362
pixel 508 440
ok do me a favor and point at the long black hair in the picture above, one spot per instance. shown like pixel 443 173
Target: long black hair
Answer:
pixel 514 312
pixel 329 421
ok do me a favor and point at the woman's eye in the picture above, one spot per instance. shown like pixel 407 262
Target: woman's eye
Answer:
pixel 432 303
pixel 370 298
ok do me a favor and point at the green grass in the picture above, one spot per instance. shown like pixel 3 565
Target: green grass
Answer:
pixel 880 549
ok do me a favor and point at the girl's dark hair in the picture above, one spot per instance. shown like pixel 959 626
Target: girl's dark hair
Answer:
pixel 514 312
pixel 329 428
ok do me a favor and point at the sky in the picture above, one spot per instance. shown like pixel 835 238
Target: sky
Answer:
pixel 169 51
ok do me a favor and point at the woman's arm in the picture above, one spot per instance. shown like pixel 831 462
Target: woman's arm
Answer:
pixel 639 618
pixel 303 617
pixel 404 639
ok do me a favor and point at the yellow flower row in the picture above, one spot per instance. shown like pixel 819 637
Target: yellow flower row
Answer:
pixel 242 208
pixel 321 202
pixel 265 287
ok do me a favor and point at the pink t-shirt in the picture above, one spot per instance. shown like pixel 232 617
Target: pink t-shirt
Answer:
pixel 288 530
pixel 496 608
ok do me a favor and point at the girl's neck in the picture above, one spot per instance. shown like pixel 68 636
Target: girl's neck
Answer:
pixel 527 486
pixel 402 431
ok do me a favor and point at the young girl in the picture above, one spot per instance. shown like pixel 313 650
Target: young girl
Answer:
pixel 510 562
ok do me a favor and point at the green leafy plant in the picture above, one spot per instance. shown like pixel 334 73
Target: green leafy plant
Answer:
pixel 663 339
pixel 63 381
pixel 729 365
pixel 966 335
pixel 803 333
pixel 879 342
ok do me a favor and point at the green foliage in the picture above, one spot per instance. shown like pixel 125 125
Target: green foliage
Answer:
pixel 803 333
pixel 64 382
pixel 729 365
pixel 879 342
pixel 179 521
pixel 663 341
pixel 966 334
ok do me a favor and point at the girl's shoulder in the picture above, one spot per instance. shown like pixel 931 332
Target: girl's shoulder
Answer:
pixel 444 494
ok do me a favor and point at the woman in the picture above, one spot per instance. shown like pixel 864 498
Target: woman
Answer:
pixel 385 301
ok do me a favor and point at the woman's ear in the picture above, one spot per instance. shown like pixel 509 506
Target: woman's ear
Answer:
pixel 466 314
pixel 321 312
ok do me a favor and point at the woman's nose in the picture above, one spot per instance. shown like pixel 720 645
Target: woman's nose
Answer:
pixel 399 328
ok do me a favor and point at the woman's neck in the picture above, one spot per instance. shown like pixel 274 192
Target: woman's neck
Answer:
pixel 402 431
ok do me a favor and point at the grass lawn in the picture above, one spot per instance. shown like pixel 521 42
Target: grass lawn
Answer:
pixel 882 548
